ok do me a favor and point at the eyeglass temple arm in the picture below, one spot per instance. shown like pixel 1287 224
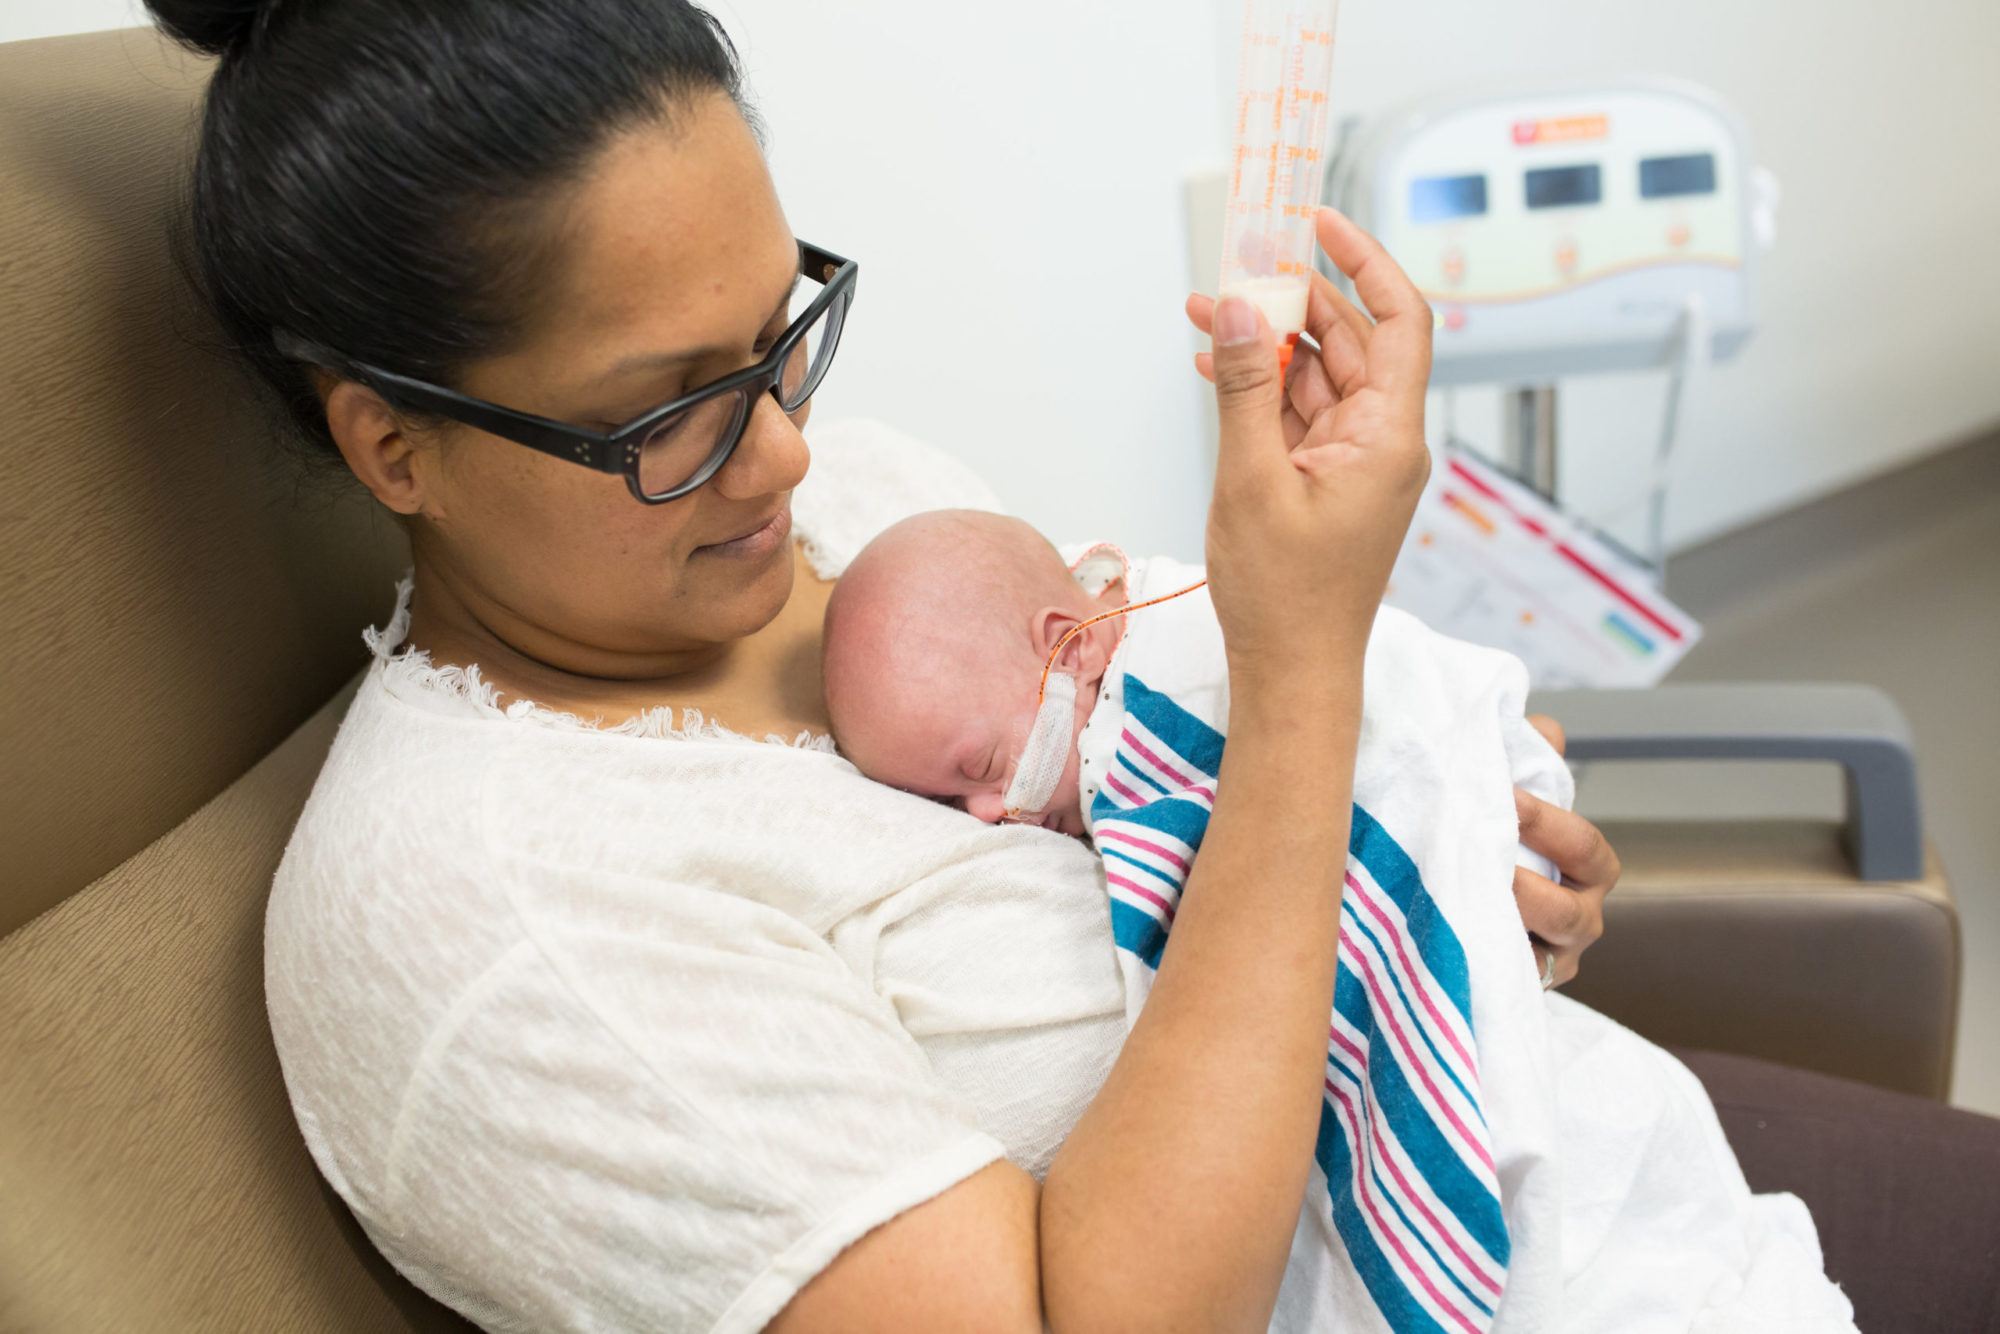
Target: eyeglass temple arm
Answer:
pixel 538 433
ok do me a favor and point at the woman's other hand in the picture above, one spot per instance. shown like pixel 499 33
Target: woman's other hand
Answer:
pixel 1566 919
pixel 1319 472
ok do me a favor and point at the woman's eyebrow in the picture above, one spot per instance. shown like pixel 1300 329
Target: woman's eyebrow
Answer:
pixel 649 361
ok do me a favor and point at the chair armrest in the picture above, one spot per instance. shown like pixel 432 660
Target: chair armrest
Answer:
pixel 1856 727
pixel 1829 946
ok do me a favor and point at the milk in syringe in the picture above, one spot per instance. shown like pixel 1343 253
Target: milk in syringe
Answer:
pixel 1278 169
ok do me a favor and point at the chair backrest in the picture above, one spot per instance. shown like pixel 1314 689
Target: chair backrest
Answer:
pixel 175 599
pixel 175 607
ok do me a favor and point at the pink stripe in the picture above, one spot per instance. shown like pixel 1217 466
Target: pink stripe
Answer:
pixel 1146 894
pixel 1374 1155
pixel 1378 1155
pixel 1158 763
pixel 1340 1040
pixel 1410 971
pixel 1117 836
pixel 1382 1228
pixel 1111 781
pixel 1388 1016
pixel 1207 794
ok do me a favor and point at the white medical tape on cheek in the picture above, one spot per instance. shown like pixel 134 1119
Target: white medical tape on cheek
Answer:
pixel 1040 768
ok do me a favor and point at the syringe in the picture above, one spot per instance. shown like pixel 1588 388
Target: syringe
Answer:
pixel 1276 175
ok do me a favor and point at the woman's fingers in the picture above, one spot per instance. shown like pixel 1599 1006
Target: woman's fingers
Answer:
pixel 1551 730
pixel 1342 359
pixel 1568 963
pixel 1201 312
pixel 1567 918
pixel 1561 921
pixel 1399 349
pixel 1573 843
pixel 1307 394
pixel 1249 390
pixel 1327 309
pixel 1331 366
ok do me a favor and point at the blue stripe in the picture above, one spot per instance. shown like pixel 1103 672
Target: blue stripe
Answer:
pixel 1183 818
pixel 1370 844
pixel 1139 775
pixel 1138 933
pixel 1378 1272
pixel 1389 1193
pixel 1352 915
pixel 1168 879
pixel 1192 741
pixel 1431 1154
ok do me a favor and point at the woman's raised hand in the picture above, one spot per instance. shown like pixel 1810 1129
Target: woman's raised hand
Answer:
pixel 1319 471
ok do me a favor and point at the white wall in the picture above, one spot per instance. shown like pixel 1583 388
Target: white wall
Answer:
pixel 1009 176
pixel 21 19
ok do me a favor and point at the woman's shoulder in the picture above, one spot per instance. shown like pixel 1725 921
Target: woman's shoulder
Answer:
pixel 866 476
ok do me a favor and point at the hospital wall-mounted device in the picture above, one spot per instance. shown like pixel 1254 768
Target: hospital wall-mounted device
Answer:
pixel 1561 231
pixel 1569 229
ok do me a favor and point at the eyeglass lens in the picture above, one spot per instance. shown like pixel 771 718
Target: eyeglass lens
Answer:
pixel 806 367
pixel 680 446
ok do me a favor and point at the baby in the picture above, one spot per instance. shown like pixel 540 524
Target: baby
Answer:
pixel 1436 1192
pixel 937 640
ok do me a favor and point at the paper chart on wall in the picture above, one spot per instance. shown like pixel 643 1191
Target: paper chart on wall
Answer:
pixel 1490 561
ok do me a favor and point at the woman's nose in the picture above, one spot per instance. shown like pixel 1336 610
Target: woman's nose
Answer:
pixel 772 455
pixel 987 806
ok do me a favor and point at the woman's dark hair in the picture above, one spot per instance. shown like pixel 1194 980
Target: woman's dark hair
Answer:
pixel 380 177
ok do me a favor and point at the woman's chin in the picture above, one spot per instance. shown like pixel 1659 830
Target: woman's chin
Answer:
pixel 765 590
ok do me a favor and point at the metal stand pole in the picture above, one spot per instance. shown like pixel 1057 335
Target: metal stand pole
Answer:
pixel 1530 440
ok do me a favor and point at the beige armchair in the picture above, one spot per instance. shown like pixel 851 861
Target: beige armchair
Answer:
pixel 181 614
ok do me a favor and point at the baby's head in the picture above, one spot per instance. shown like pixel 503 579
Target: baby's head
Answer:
pixel 935 641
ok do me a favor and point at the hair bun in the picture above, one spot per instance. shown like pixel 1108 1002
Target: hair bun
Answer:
pixel 217 27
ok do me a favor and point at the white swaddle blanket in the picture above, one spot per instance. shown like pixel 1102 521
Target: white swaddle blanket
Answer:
pixel 1490 1158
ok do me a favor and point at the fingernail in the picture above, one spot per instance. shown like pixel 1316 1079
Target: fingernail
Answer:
pixel 1235 322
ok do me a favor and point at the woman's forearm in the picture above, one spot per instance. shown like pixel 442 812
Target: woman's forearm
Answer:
pixel 1174 1201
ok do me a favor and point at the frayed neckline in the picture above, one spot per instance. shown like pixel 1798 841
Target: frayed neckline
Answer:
pixel 412 668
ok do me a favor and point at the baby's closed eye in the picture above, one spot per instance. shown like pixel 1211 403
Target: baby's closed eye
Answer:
pixel 988 771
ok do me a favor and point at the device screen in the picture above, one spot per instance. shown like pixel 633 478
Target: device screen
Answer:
pixel 1555 187
pixel 1693 174
pixel 1436 198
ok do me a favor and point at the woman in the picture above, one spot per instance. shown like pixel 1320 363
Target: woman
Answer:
pixel 600 1015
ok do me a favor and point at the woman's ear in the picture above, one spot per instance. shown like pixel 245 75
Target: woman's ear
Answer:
pixel 1084 657
pixel 373 441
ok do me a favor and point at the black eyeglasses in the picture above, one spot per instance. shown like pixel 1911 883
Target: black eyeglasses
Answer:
pixel 665 452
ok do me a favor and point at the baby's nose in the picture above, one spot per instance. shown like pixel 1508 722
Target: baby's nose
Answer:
pixel 987 806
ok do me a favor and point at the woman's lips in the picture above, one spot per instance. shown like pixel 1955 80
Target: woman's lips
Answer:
pixel 759 541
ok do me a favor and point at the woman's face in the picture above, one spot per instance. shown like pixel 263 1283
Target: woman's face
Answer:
pixel 674 268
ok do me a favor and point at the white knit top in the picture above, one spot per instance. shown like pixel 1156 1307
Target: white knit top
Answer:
pixel 634 1028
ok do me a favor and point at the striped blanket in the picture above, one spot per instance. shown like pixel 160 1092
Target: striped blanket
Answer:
pixel 1407 1206
pixel 1490 1158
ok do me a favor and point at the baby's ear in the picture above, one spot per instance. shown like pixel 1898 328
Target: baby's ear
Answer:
pixel 1086 655
pixel 1046 629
